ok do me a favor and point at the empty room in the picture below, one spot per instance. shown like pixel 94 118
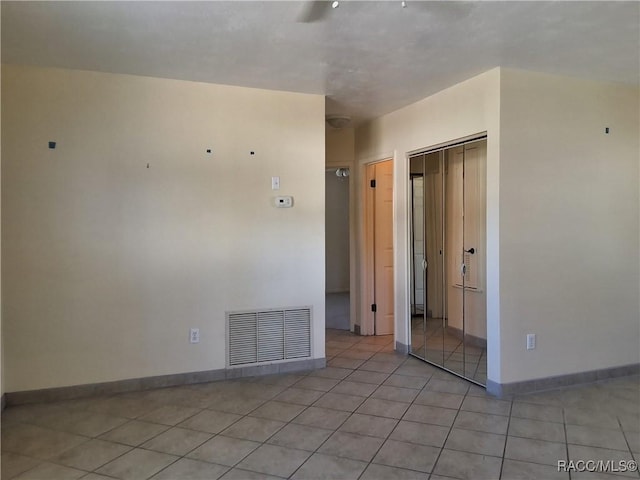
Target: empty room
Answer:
pixel 428 268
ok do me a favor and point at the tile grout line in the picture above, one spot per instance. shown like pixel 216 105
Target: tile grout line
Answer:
pixel 566 437
pixel 506 438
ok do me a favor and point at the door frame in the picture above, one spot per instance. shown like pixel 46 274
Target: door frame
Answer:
pixel 366 246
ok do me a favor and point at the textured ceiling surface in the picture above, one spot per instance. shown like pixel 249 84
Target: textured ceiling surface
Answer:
pixel 367 57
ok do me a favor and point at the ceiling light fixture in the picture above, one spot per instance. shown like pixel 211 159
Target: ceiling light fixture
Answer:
pixel 335 4
pixel 338 120
pixel 404 4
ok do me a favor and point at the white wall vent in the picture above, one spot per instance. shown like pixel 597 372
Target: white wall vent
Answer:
pixel 268 335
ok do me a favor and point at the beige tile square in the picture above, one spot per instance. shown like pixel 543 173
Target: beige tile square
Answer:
pixel 355 354
pixel 439 399
pixel 351 445
pixel 630 422
pixel 597 437
pixel 38 442
pixel 210 421
pixel 377 366
pixel 50 471
pixel 317 383
pixel 137 464
pixel 546 413
pixel 123 406
pixel 535 451
pixel 239 474
pixel 321 417
pixel 363 376
pixel 429 414
pixel 252 428
pixel 420 433
pixel 460 387
pixel 250 388
pixel 223 450
pixel 134 433
pixel 423 370
pixel 85 423
pixel 320 466
pixel 486 405
pixel 170 414
pixel 176 441
pixel 274 410
pixel 383 408
pixel 95 476
pixel 339 401
pixel 366 347
pixel 299 396
pixel 369 425
pixel 476 442
pixel 524 427
pixel 395 394
pixel 405 382
pixel 280 379
pixel 336 373
pixel 590 417
pixel 382 472
pixel 274 460
pixel 581 452
pixel 407 455
pixel 300 436
pixel 466 465
pixel 187 469
pixel 515 470
pixel 633 438
pixel 91 455
pixel 482 422
pixel 341 362
pixel 234 403
pixel 14 464
pixel 354 388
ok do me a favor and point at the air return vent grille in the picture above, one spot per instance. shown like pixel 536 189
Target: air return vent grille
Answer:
pixel 268 335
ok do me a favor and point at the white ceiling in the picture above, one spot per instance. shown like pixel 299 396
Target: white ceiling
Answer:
pixel 367 57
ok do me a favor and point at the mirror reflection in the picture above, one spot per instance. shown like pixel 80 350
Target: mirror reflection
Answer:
pixel 448 297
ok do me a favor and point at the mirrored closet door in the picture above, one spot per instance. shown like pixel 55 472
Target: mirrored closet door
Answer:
pixel 447 190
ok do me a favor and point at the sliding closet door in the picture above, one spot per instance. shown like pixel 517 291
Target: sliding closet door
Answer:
pixel 474 259
pixel 448 301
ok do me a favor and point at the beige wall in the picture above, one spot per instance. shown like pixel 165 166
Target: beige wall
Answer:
pixel 469 108
pixel 568 225
pixel 108 263
pixel 562 214
pixel 339 146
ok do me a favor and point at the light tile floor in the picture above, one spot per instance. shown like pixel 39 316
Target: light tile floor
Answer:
pixel 371 414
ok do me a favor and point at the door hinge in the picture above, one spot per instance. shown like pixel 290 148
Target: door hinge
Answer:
pixel 374 307
pixel 373 183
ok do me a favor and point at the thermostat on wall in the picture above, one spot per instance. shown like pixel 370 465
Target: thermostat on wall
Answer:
pixel 284 201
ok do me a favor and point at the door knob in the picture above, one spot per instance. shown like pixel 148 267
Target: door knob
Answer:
pixel 471 251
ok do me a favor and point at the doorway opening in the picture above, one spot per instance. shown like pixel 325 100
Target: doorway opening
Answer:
pixel 337 258
pixel 447 190
pixel 378 316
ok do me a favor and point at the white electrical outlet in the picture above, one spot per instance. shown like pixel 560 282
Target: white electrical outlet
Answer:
pixel 194 335
pixel 284 201
pixel 531 341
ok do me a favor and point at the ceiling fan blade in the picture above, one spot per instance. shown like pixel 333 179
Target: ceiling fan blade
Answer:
pixel 313 11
